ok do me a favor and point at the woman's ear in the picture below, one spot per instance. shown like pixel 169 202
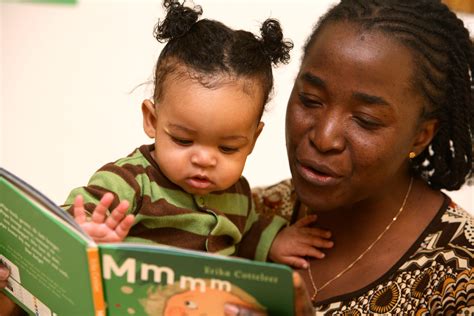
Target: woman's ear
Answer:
pixel 425 134
pixel 149 118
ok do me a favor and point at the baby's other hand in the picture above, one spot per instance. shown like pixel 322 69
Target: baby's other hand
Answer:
pixel 101 228
pixel 295 242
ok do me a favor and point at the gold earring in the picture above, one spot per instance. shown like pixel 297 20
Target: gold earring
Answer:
pixel 412 155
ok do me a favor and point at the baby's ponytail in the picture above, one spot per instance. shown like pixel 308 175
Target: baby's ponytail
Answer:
pixel 208 49
pixel 275 47
pixel 178 21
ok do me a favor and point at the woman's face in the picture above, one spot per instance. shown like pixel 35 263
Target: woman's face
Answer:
pixel 352 118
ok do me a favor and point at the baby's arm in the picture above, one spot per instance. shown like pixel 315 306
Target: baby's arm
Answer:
pixel 295 242
pixel 101 228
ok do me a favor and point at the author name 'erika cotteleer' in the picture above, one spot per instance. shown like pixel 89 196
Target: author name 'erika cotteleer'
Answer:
pixel 239 274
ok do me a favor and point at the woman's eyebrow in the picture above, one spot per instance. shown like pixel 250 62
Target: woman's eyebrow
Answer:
pixel 313 80
pixel 364 97
pixel 370 99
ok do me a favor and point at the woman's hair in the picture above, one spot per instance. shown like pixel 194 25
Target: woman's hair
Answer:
pixel 211 51
pixel 443 54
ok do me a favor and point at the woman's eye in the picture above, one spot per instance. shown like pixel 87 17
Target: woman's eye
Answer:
pixel 368 123
pixel 182 142
pixel 309 102
pixel 228 150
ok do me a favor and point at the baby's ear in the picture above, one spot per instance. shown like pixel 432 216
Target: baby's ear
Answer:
pixel 149 118
pixel 257 133
pixel 259 129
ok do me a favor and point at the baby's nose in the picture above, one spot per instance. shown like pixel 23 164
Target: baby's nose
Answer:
pixel 204 158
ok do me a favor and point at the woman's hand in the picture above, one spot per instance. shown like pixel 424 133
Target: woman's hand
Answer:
pixel 7 306
pixel 4 274
pixel 239 310
pixel 303 306
pixel 101 228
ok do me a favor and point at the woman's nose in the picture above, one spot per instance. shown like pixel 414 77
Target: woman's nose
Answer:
pixel 204 158
pixel 328 134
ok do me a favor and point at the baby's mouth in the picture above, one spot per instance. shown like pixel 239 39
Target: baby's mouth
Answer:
pixel 201 178
pixel 199 182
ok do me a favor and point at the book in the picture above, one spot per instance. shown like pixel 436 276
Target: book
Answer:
pixel 56 269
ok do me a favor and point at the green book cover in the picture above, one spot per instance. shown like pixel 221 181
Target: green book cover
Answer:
pixel 50 259
pixel 55 269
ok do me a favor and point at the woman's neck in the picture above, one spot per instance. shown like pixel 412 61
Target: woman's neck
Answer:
pixel 356 229
pixel 368 213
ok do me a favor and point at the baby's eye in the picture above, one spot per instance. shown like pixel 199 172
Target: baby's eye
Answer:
pixel 190 304
pixel 181 141
pixel 228 150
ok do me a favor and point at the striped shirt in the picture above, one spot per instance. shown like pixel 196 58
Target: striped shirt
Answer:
pixel 223 222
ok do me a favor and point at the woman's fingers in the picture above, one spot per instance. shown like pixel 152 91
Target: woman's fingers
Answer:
pixel 238 310
pixel 303 305
pixel 4 274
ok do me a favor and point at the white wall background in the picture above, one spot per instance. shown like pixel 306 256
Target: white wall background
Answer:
pixel 68 79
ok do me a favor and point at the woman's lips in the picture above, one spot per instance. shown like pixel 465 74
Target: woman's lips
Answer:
pixel 318 174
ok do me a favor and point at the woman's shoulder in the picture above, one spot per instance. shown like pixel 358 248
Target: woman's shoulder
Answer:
pixel 457 227
pixel 277 199
pixel 457 211
pixel 440 273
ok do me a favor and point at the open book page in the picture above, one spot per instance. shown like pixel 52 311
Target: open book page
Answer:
pixel 49 258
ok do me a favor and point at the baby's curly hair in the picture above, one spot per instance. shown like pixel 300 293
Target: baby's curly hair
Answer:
pixel 208 49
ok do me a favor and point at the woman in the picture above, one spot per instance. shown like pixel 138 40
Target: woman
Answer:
pixel 379 120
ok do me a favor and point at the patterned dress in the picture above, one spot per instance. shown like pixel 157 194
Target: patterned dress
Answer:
pixel 434 277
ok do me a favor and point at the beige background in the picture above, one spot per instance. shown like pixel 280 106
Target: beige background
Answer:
pixel 73 78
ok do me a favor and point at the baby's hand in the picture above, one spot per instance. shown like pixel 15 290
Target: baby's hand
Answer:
pixel 101 228
pixel 295 242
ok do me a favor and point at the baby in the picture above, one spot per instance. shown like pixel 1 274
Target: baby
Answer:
pixel 186 189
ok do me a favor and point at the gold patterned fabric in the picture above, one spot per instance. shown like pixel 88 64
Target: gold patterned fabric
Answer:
pixel 435 277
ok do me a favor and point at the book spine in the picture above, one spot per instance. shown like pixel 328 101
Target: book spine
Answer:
pixel 95 273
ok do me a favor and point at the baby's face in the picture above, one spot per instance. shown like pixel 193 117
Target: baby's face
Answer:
pixel 204 135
